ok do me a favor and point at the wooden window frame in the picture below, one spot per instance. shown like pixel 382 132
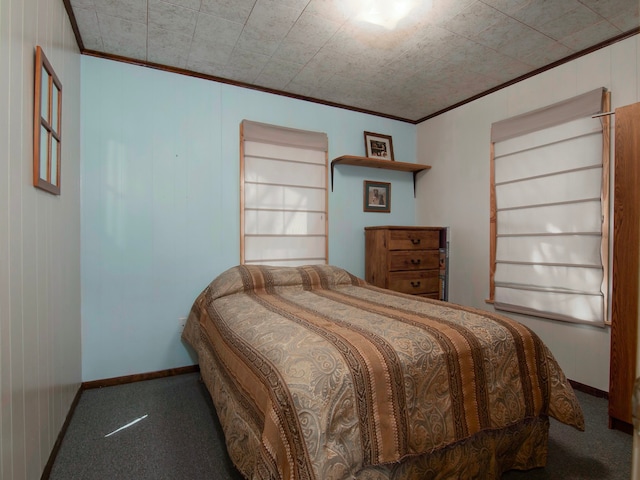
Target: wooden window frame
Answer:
pixel 47 178
pixel 279 135
pixel 605 225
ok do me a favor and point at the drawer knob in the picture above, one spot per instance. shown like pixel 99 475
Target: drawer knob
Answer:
pixel 415 241
pixel 415 284
pixel 415 261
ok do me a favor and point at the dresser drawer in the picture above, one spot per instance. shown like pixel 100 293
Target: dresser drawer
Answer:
pixel 414 239
pixel 420 281
pixel 433 296
pixel 407 259
pixel 414 260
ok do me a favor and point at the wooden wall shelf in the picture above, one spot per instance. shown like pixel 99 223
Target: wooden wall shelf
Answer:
pixel 375 163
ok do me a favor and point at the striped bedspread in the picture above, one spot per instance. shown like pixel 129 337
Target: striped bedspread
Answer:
pixel 332 375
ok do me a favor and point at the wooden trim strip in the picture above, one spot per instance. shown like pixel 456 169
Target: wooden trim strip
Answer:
pixel 139 377
pixel 493 224
pixel 620 425
pixel 326 206
pixel 235 83
pixel 562 61
pixel 595 392
pixel 605 203
pixel 243 260
pixel 46 473
pixel 74 24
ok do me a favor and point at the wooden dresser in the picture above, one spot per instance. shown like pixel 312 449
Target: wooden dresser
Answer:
pixel 407 259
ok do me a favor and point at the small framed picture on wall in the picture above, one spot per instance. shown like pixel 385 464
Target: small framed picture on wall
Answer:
pixel 378 146
pixel 377 197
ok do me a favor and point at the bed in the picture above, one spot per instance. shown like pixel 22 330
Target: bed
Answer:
pixel 316 374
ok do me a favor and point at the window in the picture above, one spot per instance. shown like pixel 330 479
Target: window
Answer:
pixel 550 209
pixel 283 195
pixel 47 139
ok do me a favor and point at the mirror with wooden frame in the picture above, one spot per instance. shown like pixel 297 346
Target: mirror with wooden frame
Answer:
pixel 47 122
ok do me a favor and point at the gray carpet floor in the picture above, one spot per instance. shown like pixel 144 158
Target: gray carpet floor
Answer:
pixel 180 438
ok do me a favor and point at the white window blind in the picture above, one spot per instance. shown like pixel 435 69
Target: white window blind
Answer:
pixel 550 191
pixel 283 195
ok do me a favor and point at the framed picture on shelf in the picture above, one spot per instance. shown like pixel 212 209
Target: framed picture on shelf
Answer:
pixel 378 146
pixel 377 197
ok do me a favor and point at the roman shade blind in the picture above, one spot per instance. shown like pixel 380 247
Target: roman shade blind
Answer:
pixel 550 171
pixel 283 174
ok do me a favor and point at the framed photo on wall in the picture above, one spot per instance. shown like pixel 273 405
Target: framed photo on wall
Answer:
pixel 377 197
pixel 378 146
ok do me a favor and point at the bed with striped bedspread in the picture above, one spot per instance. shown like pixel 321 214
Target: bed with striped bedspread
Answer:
pixel 316 374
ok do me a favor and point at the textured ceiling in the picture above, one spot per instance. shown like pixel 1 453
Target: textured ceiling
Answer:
pixel 316 49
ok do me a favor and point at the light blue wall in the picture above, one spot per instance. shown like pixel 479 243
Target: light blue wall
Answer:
pixel 160 201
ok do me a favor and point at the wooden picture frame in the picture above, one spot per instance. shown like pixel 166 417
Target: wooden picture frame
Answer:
pixel 376 197
pixel 47 125
pixel 378 146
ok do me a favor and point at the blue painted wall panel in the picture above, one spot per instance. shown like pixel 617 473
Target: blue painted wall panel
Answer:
pixel 160 201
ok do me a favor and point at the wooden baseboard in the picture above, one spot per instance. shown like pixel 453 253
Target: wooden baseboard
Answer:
pixel 614 423
pixel 46 473
pixel 590 390
pixel 138 377
pixel 620 425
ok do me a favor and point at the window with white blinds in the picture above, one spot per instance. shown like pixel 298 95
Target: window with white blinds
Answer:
pixel 550 176
pixel 283 175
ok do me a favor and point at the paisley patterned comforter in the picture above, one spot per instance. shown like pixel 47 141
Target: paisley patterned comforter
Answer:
pixel 317 375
